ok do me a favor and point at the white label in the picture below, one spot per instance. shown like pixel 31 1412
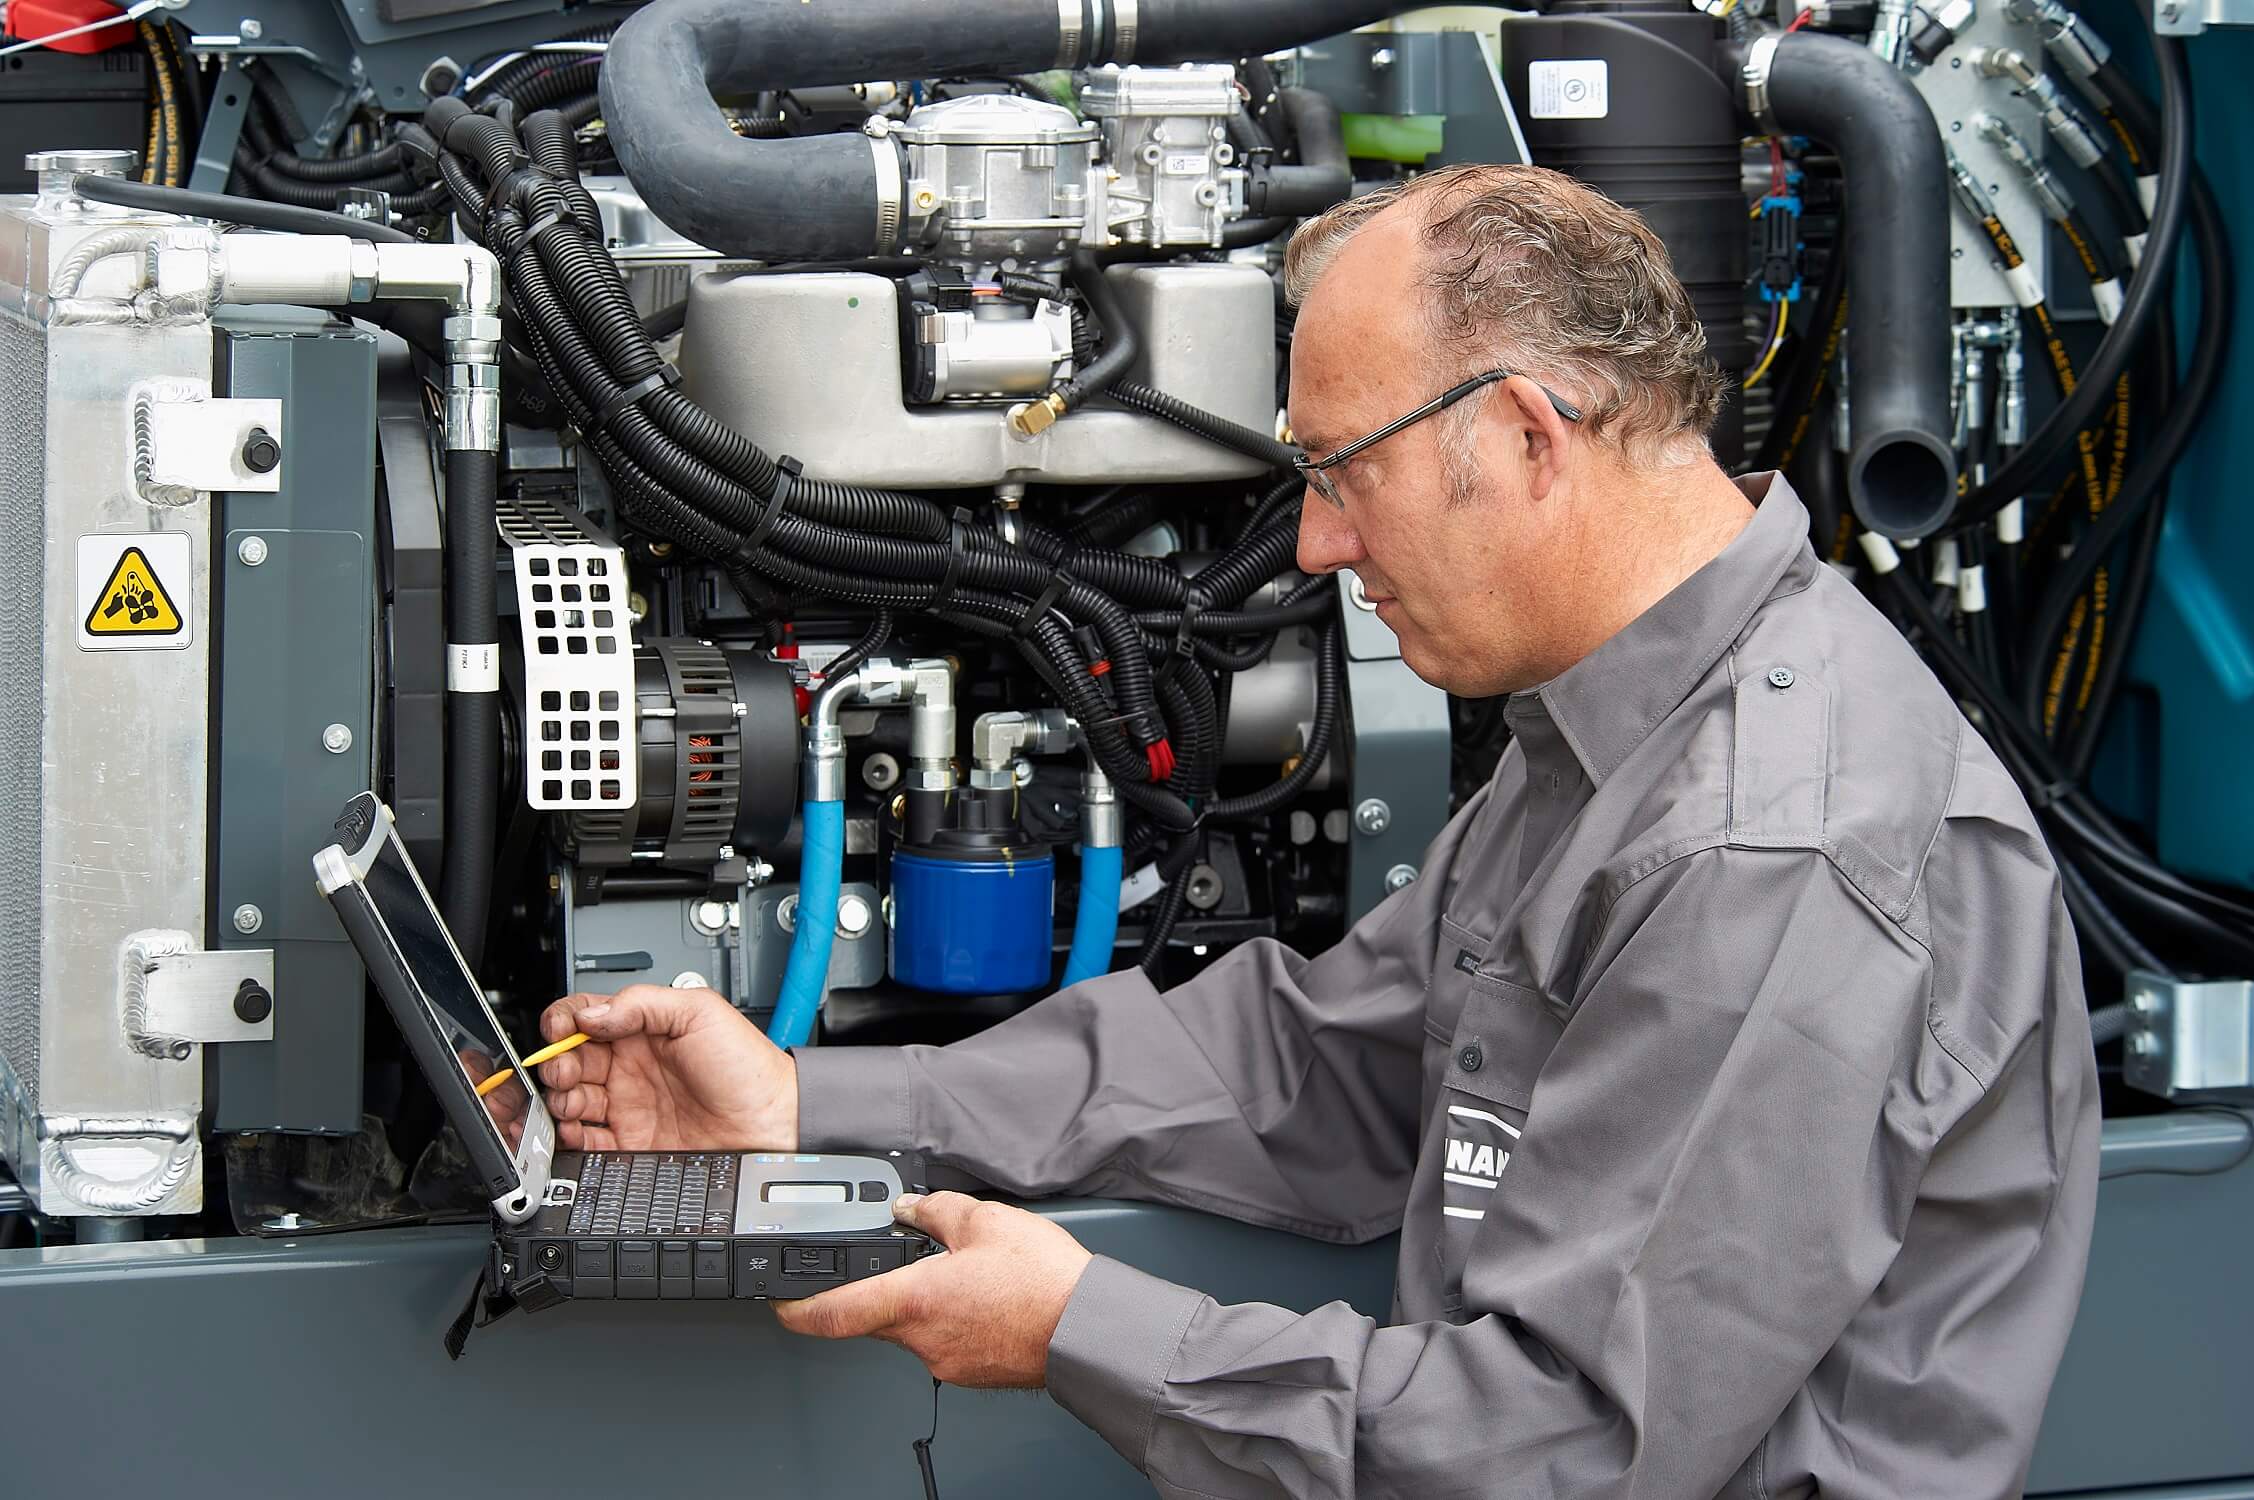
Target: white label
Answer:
pixel 473 669
pixel 1140 887
pixel 2148 193
pixel 133 592
pixel 1184 164
pixel 1972 590
pixel 2135 242
pixel 2024 286
pixel 1883 558
pixel 2011 523
pixel 2107 295
pixel 1575 89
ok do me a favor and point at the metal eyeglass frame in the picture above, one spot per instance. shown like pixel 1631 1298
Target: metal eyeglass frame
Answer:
pixel 1312 469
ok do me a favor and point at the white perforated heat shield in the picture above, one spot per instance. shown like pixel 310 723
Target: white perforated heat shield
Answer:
pixel 578 660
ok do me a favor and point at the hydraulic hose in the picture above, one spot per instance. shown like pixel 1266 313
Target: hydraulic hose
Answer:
pixel 1323 177
pixel 1096 928
pixel 2146 300
pixel 473 705
pixel 837 196
pixel 1901 466
pixel 820 874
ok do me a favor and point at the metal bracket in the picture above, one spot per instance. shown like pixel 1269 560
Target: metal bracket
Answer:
pixel 2189 1038
pixel 207 996
pixel 185 440
pixel 2191 17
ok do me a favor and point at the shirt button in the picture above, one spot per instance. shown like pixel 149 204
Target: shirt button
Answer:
pixel 1780 677
pixel 1470 1058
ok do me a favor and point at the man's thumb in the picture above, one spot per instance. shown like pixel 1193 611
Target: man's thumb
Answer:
pixel 943 1216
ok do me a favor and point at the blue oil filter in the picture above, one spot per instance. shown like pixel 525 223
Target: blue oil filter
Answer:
pixel 972 914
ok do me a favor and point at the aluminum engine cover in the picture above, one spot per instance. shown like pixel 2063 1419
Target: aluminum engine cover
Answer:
pixel 809 365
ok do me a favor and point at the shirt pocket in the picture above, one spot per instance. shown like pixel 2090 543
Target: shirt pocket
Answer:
pixel 1495 1053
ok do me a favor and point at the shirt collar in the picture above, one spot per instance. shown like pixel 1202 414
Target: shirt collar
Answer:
pixel 1604 705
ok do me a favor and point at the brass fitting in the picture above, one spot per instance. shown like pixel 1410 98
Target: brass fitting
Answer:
pixel 1032 418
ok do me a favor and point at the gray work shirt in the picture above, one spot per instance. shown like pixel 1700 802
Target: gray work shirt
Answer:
pixel 1727 1075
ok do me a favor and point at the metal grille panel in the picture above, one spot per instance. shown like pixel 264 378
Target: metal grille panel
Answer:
pixel 23 482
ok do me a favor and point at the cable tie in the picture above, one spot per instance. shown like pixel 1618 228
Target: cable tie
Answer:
pixel 958 548
pixel 609 410
pixel 1194 603
pixel 787 472
pixel 1058 584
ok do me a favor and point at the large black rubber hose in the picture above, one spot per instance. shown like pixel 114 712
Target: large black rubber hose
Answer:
pixel 1323 176
pixel 817 197
pixel 229 209
pixel 473 719
pixel 1119 345
pixel 1901 467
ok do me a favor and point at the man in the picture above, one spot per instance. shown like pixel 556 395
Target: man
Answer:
pixel 1726 1072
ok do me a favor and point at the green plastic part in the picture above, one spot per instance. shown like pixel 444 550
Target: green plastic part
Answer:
pixel 1402 138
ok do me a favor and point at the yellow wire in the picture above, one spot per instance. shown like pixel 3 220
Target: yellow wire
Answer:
pixel 552 1050
pixel 1776 342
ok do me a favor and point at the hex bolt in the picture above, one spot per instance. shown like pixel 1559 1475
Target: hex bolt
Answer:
pixel 1400 878
pixel 250 28
pixel 248 919
pixel 690 979
pixel 1781 677
pixel 262 451
pixel 252 550
pixel 709 917
pixel 1373 817
pixel 336 739
pixel 853 917
pixel 786 914
pixel 252 1003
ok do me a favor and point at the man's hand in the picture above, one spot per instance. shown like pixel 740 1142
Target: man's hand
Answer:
pixel 667 1070
pixel 980 1315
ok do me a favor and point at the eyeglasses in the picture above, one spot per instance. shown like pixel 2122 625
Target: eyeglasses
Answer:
pixel 1315 470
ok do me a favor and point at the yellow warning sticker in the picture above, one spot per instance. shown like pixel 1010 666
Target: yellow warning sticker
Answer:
pixel 133 602
pixel 133 591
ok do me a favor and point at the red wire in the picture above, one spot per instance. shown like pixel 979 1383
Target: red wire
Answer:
pixel 1800 20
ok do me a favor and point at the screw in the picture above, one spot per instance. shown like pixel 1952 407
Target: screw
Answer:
pixel 1382 58
pixel 252 550
pixel 251 29
pixel 1021 770
pixel 252 1003
pixel 336 739
pixel 786 914
pixel 690 979
pixel 2143 1043
pixel 709 917
pixel 286 1221
pixel 880 772
pixel 1400 878
pixel 248 919
pixel 1373 817
pixel 1781 677
pixel 2144 1002
pixel 1356 595
pixel 853 917
pixel 261 453
pixel 1956 127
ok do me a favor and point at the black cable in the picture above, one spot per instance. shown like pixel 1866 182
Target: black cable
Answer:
pixel 2145 300
pixel 229 208
pixel 1119 344
pixel 1205 424
pixel 879 631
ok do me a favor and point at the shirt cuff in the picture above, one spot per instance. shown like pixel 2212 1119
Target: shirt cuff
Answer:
pixel 1110 1355
pixel 853 1098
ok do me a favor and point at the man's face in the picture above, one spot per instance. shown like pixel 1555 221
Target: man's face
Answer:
pixel 1460 576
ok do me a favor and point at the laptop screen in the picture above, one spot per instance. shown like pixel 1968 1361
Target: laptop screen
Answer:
pixel 457 1008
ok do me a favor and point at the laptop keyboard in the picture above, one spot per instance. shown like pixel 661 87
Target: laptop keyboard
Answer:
pixel 655 1193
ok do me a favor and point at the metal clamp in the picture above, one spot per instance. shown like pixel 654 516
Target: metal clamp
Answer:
pixel 1760 59
pixel 1068 34
pixel 1125 23
pixel 2188 1037
pixel 891 189
pixel 173 995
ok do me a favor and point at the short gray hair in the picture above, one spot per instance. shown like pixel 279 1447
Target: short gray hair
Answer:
pixel 1530 269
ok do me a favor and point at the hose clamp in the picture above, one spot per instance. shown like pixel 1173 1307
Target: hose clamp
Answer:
pixel 1068 33
pixel 1124 24
pixel 891 190
pixel 1760 59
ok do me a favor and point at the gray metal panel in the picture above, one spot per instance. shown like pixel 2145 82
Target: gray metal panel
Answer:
pixel 268 1352
pixel 1398 734
pixel 290 1340
pixel 296 647
pixel 2154 1387
pixel 1958 95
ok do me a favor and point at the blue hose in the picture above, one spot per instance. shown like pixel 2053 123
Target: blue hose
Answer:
pixel 1097 927
pixel 821 867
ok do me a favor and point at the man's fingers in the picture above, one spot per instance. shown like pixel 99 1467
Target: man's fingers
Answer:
pixel 586 1101
pixel 587 1063
pixel 577 1135
pixel 851 1311
pixel 944 1216
pixel 639 1009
